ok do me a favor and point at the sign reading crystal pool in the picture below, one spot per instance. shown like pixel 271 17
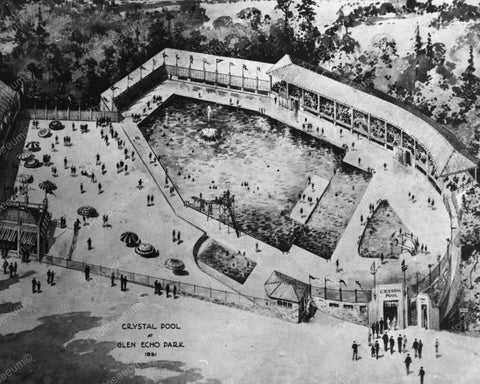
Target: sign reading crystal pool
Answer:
pixel 391 293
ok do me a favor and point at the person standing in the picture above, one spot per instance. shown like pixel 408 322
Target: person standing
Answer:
pixel 52 276
pixel 112 279
pixel 385 341
pixel 377 328
pixel 415 347
pixel 421 373
pixel 87 272
pixel 5 266
pixel 48 276
pixel 15 266
pixel 437 345
pixel 89 243
pixel 10 268
pixel 377 348
pixel 399 343
pixel 381 325
pixel 167 290
pixel 39 284
pixel 408 361
pixel 392 344
pixel 404 343
pixel 373 350
pixel 373 329
pixel 420 347
pixel 34 285
pixel 355 351
pixel 174 291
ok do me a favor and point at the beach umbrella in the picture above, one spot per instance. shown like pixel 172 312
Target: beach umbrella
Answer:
pixel 175 265
pixel 24 155
pixel 55 125
pixel 48 186
pixel 25 178
pixel 44 132
pixel 129 238
pixel 146 250
pixel 33 146
pixel 32 163
pixel 87 211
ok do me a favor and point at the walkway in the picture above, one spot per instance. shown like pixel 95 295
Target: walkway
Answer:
pixel 430 225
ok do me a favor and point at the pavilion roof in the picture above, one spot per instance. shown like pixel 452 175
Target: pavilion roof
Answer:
pixel 282 287
pixel 6 96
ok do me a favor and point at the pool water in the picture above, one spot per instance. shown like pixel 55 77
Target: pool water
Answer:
pixel 264 164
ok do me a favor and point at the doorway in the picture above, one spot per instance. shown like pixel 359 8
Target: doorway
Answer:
pixel 390 310
pixel 408 158
pixel 424 316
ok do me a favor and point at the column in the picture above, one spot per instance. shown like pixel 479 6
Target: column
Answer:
pixel 386 135
pixel 369 128
pixel 334 112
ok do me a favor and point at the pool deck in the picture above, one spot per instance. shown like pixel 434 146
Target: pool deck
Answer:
pixel 314 190
pixel 432 226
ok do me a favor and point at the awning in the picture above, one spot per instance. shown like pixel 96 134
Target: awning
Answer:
pixel 28 238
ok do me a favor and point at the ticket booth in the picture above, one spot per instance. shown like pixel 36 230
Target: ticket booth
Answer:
pixel 389 303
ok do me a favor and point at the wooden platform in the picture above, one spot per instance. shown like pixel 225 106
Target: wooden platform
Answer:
pixel 320 185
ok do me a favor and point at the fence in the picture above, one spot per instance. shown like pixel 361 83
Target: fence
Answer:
pixel 347 295
pixel 221 79
pixel 74 115
pixel 209 294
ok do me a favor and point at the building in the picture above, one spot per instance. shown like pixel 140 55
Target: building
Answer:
pixel 24 227
pixel 390 303
pixel 9 107
pixel 290 295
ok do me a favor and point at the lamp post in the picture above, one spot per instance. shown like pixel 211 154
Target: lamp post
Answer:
pixel 373 271
pixel 404 270
pixel 430 274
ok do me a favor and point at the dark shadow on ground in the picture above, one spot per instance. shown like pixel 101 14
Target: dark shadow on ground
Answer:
pixel 41 357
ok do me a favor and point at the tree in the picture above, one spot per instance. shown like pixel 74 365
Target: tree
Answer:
pixel 418 42
pixel 306 15
pixel 469 89
pixel 429 50
pixel 284 6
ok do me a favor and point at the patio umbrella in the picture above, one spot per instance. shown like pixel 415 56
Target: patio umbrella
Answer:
pixel 33 146
pixel 146 250
pixel 44 132
pixel 129 238
pixel 25 178
pixel 175 265
pixel 55 125
pixel 32 163
pixel 87 211
pixel 48 186
pixel 24 155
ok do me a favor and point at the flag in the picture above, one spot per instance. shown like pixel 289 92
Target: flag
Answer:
pixel 154 62
pixel 372 268
pixel 244 67
pixel 312 277
pixel 358 283
pixel 113 87
pixel 342 282
pixel 258 69
pixel 142 68
pixel 219 60
pixel 129 78
pixel 164 55
pixel 231 64
pixel 191 59
pixel 205 61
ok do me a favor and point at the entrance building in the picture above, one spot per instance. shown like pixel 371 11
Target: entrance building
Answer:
pixel 390 304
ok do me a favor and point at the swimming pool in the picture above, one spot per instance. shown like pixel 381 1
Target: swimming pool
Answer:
pixel 263 163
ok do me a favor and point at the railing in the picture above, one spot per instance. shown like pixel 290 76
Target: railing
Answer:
pixel 221 79
pixel 74 115
pixel 206 293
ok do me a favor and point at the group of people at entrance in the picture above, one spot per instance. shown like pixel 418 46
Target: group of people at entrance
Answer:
pixel 379 326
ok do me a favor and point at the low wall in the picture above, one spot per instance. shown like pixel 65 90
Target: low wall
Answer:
pixel 352 312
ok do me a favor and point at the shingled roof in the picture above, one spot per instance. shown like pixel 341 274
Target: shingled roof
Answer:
pixel 6 96
pixel 282 287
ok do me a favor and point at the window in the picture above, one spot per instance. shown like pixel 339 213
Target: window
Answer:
pixel 348 306
pixel 335 305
